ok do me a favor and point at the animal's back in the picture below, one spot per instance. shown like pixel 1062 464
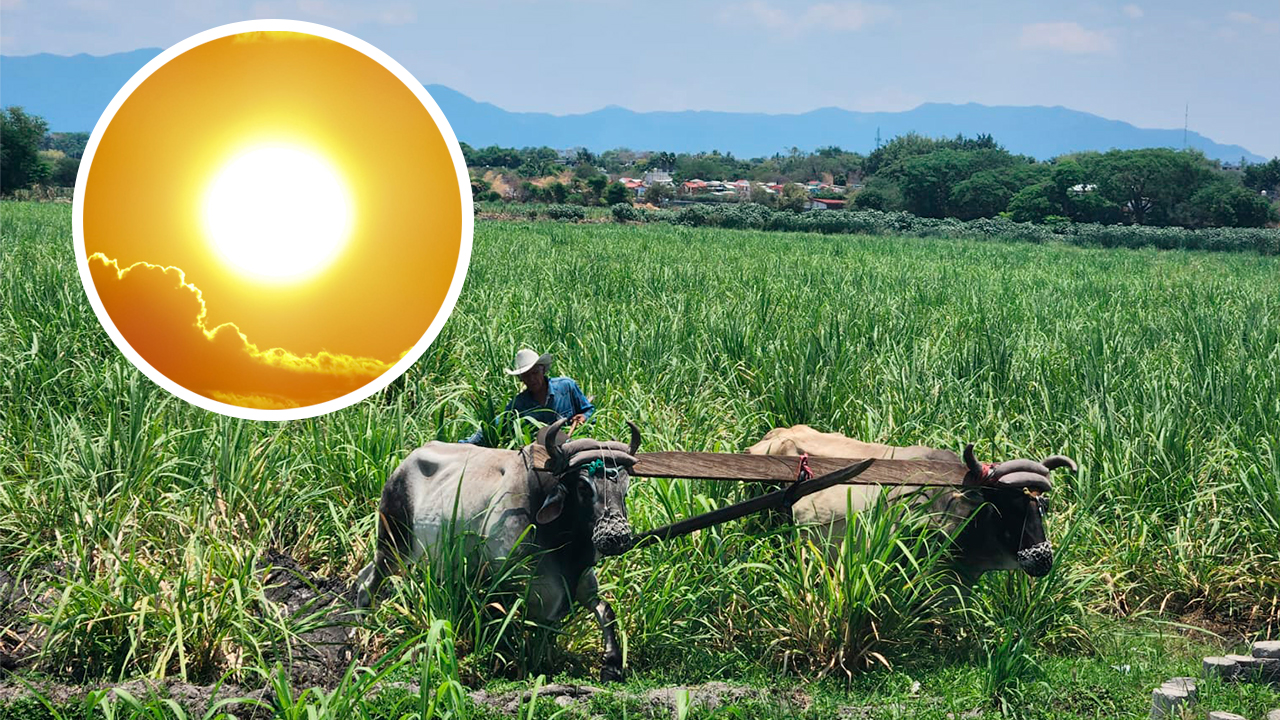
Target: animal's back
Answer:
pixel 463 488
pixel 831 506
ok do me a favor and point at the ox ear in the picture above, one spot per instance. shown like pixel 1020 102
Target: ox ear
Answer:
pixel 552 506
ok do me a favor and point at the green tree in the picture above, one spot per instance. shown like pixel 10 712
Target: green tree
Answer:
pixel 984 194
pixel 1149 184
pixel 898 149
pixel 64 172
pixel 878 194
pixel 659 193
pixel 595 187
pixel 20 137
pixel 1263 177
pixel 1033 203
pixel 556 192
pixel 662 161
pixel 793 197
pixel 71 144
pixel 761 196
pixel 1225 204
pixel 539 162
pixel 926 181
pixel 617 193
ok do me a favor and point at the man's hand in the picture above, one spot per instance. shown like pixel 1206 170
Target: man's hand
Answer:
pixel 575 421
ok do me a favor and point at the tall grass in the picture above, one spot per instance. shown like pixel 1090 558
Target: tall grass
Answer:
pixel 148 521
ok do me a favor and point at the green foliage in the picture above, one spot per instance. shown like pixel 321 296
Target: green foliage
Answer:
pixel 1033 204
pixel 1263 177
pixel 1156 371
pixel 793 197
pixel 760 196
pixel 1048 226
pixel 565 212
pixel 71 144
pixel 659 193
pixel 843 608
pixel 20 163
pixel 1225 204
pixel 879 194
pixel 617 193
pixel 1150 183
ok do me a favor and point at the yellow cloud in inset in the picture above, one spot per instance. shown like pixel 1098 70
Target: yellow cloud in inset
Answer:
pixel 162 316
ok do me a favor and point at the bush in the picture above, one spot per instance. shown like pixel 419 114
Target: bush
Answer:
pixel 625 212
pixel 753 216
pixel 565 212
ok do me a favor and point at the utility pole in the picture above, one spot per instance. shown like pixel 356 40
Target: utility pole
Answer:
pixel 878 137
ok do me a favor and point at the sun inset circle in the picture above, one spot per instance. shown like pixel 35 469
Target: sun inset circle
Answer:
pixel 277 212
pixel 255 251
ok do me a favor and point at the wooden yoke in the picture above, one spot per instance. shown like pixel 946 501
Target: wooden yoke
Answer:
pixel 782 468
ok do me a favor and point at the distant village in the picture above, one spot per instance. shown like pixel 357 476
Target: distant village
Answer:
pixel 737 189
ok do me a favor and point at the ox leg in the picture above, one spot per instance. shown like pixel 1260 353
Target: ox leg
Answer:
pixel 368 581
pixel 589 594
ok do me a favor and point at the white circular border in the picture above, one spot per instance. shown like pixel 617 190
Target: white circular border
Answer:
pixel 464 246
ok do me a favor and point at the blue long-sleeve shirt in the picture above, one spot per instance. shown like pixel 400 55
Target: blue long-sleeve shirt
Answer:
pixel 564 400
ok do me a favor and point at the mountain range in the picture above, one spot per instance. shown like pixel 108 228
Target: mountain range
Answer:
pixel 72 92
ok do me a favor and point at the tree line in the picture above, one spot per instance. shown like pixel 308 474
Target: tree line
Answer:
pixel 963 178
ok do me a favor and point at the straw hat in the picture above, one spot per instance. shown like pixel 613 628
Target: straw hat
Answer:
pixel 526 359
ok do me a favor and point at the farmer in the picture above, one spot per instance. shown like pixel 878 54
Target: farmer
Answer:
pixel 544 399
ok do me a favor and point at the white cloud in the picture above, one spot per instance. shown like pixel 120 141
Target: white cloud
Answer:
pixel 844 16
pixel 1133 11
pixel 1068 37
pixel 1244 18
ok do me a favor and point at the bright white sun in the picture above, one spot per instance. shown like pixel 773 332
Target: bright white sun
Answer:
pixel 277 212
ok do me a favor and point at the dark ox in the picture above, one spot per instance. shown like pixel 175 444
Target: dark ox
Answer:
pixel 1001 506
pixel 577 508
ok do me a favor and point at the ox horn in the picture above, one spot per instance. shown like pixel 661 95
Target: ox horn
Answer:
pixel 974 476
pixel 1026 479
pixel 577 446
pixel 553 440
pixel 635 439
pixel 1058 461
pixel 610 456
pixel 1015 466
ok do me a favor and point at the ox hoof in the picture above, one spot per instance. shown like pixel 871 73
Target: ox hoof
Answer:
pixel 611 673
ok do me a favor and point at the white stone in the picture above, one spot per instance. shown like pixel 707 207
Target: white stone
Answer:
pixel 1219 715
pixel 1267 649
pixel 1273 715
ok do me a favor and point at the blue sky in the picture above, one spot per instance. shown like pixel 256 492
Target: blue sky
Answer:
pixel 1140 62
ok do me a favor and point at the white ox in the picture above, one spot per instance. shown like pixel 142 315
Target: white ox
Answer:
pixel 1001 506
pixel 577 508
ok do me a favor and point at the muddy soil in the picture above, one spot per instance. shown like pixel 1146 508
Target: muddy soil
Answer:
pixel 21 597
pixel 316 658
pixel 322 654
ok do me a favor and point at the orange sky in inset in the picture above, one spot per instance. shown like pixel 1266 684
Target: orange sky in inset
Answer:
pixel 145 192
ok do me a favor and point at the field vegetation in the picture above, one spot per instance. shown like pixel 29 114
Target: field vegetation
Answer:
pixel 141 537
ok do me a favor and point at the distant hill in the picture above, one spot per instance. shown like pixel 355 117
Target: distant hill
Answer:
pixel 71 93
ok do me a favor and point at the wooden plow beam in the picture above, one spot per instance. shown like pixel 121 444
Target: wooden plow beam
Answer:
pixel 825 472
pixel 782 468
